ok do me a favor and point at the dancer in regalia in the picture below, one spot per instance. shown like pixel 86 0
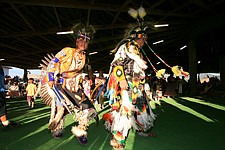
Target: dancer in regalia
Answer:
pixel 62 89
pixel 129 95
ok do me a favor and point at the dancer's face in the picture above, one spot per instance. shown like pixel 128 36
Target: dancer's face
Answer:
pixel 82 44
pixel 141 40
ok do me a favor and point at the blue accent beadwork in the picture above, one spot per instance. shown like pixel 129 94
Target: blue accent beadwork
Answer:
pixel 50 76
pixel 56 60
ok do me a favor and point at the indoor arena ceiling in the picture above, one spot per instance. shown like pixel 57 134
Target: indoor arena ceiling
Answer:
pixel 28 30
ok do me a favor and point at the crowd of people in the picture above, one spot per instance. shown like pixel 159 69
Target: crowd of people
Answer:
pixel 128 88
pixel 15 87
pixel 170 87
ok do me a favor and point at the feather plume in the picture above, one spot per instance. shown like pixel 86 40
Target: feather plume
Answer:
pixel 133 13
pixel 47 94
pixel 45 62
pixel 160 73
pixel 47 59
pixel 141 12
pixel 78 132
pixel 53 55
pixel 42 66
pixel 50 57
pixel 176 70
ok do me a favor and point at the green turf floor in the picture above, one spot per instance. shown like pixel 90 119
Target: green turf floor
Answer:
pixel 182 124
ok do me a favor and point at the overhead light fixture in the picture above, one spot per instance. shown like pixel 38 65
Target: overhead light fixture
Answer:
pixel 183 47
pixel 65 32
pixel 158 63
pixel 2 59
pixel 93 53
pixel 199 62
pixel 158 42
pixel 161 25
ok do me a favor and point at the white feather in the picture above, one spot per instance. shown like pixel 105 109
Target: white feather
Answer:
pixel 133 13
pixel 78 132
pixel 136 58
pixel 141 12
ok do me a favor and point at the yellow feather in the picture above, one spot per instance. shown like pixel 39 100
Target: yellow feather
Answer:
pixel 160 73
pixel 176 70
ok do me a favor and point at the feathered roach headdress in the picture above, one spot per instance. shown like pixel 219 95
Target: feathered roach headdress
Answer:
pixel 82 31
pixel 138 30
pixel 135 31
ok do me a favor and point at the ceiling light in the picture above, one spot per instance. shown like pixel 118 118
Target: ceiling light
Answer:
pixel 158 63
pixel 93 53
pixel 2 59
pixel 158 42
pixel 199 62
pixel 161 25
pixel 65 32
pixel 183 47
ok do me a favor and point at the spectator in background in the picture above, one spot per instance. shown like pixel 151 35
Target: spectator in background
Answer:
pixel 101 96
pixel 158 87
pixel 23 89
pixel 14 90
pixel 87 86
pixel 14 87
pixel 31 91
pixel 101 75
pixel 7 86
pixel 171 85
pixel 3 111
pixel 38 87
pixel 99 89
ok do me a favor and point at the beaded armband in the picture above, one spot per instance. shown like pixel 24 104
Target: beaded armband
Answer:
pixel 50 76
pixel 118 73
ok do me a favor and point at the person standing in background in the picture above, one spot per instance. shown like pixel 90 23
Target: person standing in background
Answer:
pixel 31 91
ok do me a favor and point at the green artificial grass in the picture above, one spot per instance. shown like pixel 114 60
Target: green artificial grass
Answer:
pixel 182 124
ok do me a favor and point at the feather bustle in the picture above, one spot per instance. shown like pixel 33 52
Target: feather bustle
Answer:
pixel 45 62
pixel 47 59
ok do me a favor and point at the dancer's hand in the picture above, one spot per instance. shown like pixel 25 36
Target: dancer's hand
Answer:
pixel 123 85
